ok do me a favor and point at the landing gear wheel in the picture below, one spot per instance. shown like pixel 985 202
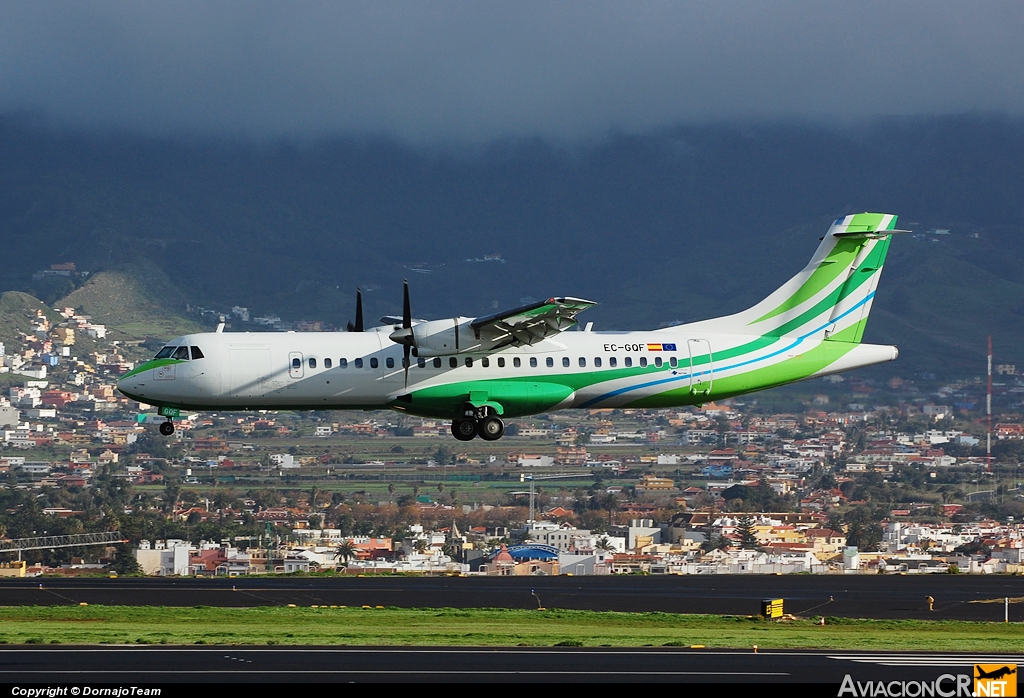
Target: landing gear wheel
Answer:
pixel 463 429
pixel 167 428
pixel 490 428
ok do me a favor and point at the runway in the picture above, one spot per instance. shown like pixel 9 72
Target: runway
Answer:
pixel 162 665
pixel 956 597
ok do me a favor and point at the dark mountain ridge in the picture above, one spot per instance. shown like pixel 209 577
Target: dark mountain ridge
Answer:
pixel 678 224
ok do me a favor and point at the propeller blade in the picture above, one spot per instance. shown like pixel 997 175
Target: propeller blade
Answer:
pixel 406 307
pixel 407 325
pixel 358 326
pixel 405 362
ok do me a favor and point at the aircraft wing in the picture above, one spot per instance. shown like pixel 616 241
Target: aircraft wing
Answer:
pixel 530 323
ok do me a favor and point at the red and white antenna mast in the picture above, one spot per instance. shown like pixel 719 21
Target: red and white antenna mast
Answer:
pixel 988 410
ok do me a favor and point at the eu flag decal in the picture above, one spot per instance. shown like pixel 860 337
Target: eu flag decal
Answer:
pixel 668 347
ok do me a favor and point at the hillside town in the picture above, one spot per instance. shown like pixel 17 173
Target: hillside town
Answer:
pixel 843 475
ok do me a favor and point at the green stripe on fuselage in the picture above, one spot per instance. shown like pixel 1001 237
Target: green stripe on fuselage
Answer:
pixel 787 371
pixel 155 363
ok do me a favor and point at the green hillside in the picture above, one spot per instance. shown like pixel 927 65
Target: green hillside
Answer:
pixel 136 301
pixel 16 312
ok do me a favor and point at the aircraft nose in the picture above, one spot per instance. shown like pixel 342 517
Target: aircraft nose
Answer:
pixel 131 385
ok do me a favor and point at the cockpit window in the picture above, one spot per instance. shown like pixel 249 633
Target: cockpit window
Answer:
pixel 197 353
pixel 181 353
pixel 165 353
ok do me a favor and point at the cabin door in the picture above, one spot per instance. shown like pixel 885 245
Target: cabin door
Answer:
pixel 702 367
pixel 248 369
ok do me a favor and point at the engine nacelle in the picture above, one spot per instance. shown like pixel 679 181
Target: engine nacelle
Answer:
pixel 444 337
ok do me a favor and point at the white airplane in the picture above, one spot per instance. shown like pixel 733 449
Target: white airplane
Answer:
pixel 477 371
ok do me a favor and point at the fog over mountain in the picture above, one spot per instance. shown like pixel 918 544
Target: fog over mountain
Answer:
pixel 676 223
pixel 467 71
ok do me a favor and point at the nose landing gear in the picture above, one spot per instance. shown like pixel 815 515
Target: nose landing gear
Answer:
pixel 167 428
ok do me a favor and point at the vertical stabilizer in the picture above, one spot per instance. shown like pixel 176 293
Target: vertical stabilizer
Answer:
pixel 832 295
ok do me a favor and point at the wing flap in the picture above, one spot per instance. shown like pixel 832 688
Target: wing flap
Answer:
pixel 531 323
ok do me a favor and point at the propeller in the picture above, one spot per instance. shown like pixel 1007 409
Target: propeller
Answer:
pixel 358 327
pixel 407 325
pixel 405 336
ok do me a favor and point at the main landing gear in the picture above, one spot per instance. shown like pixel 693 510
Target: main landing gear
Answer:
pixel 167 428
pixel 483 423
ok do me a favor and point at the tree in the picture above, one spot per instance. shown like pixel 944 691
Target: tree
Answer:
pixel 745 528
pixel 346 551
pixel 124 561
pixel 443 455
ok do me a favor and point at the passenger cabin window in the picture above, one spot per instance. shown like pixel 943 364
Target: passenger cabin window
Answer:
pixel 565 361
pixel 643 361
pixel 612 361
pixel 672 362
pixel 197 353
pixel 181 353
pixel 165 353
pixel 327 363
pixel 343 363
pixel 437 363
pixel 312 363
pixel 422 363
pixel 453 362
pixel 389 362
pixel 533 361
pixel 549 361
pixel 501 362
pixel 485 362
pixel 296 363
pixel 469 362
pixel 374 363
pixel 516 362
pixel 597 362
pixel 629 361
pixel 359 363
pixel 657 361
pixel 583 362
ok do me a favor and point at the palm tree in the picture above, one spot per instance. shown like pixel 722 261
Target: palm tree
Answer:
pixel 346 551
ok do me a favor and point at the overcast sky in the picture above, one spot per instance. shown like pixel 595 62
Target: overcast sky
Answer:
pixel 451 71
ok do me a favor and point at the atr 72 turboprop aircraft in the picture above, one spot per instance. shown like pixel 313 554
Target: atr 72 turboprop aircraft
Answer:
pixel 476 371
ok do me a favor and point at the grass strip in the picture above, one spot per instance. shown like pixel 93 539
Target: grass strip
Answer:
pixel 91 625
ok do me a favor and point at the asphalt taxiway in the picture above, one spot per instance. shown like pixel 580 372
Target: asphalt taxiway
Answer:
pixel 161 665
pixel 957 597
